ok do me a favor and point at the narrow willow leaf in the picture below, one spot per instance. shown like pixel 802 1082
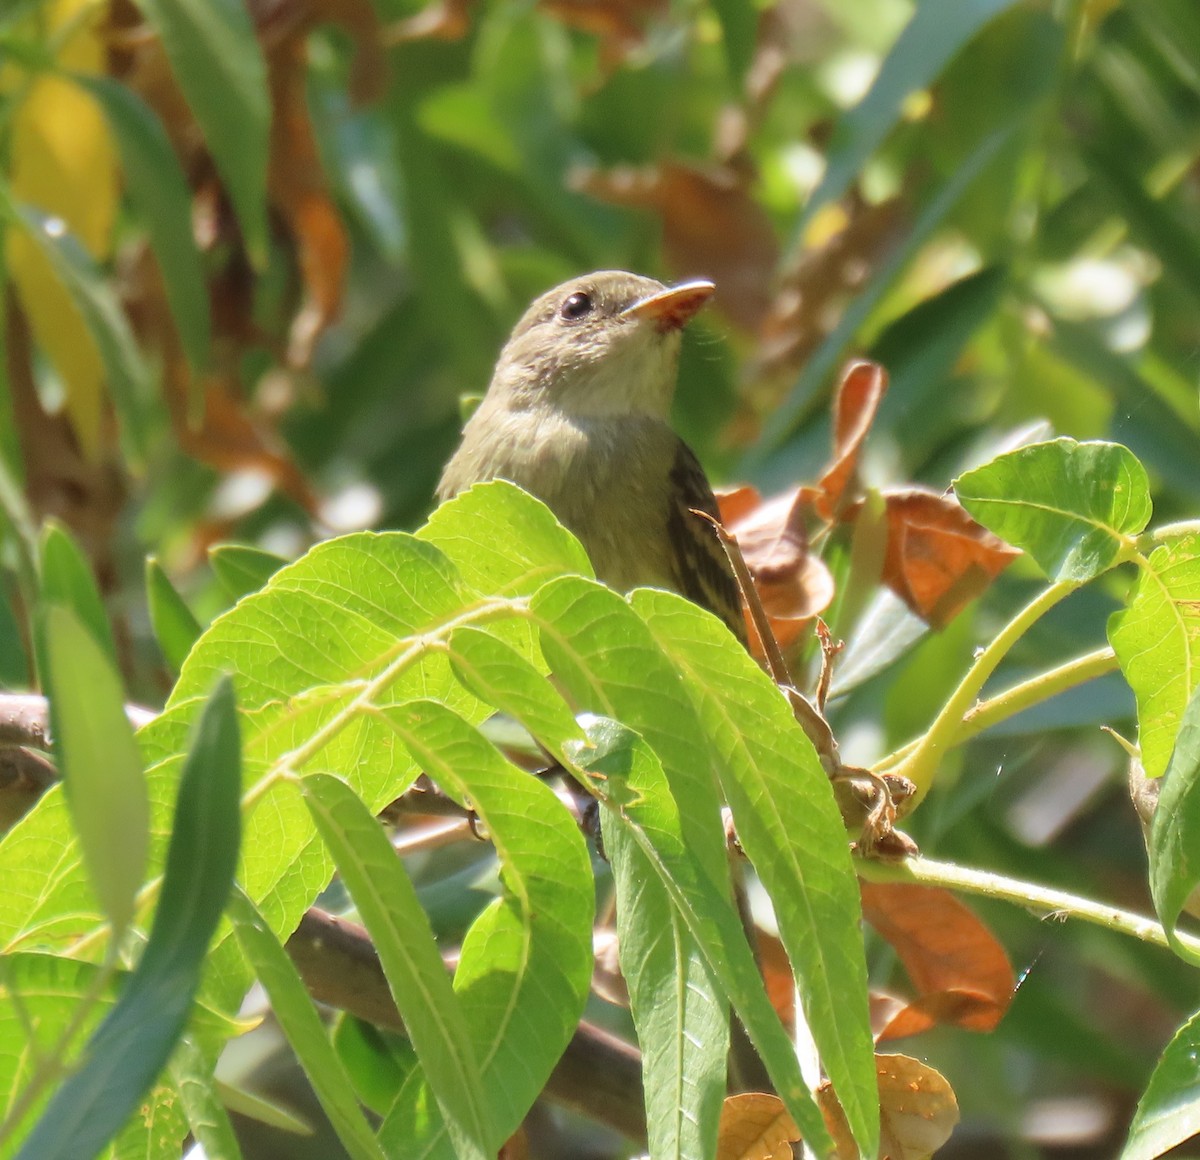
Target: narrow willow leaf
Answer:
pixel 1175 831
pixel 790 827
pixel 133 1043
pixel 242 569
pixel 1157 640
pixel 1169 1109
pixel 1074 507
pixel 292 1005
pixel 67 580
pixel 676 1000
pixel 624 773
pixel 526 963
pixel 216 60
pixel 160 194
pixel 201 1101
pixel 417 977
pixel 99 760
pixel 175 628
pixel 498 674
pixel 673 996
pixel 607 660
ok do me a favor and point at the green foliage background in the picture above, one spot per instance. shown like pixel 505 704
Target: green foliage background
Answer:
pixel 996 200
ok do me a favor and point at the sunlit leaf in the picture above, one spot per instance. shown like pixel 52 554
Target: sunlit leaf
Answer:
pixel 1074 507
pixel 1157 640
pixel 133 1043
pixel 1174 843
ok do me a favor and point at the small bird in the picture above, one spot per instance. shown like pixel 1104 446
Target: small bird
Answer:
pixel 577 415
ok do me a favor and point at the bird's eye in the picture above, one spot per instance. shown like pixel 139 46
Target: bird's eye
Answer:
pixel 576 306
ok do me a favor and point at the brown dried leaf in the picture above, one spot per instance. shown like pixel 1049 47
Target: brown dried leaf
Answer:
pixel 778 977
pixel 917 1107
pixel 793 585
pixel 938 558
pixel 711 226
pixel 296 183
pixel 961 973
pixel 855 405
pixel 755 1126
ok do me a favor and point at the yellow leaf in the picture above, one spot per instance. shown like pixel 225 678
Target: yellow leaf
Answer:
pixel 64 164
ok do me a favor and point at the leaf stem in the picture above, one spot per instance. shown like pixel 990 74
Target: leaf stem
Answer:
pixel 920 764
pixel 1019 697
pixel 1058 904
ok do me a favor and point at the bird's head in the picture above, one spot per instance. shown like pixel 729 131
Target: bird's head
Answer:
pixel 603 344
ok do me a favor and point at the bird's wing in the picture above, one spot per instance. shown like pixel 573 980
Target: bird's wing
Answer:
pixel 702 571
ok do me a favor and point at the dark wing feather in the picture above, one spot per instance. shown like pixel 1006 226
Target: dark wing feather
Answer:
pixel 702 570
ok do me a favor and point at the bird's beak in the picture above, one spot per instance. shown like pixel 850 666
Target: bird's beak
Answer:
pixel 672 307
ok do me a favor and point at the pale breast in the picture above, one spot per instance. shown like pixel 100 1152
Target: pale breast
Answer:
pixel 605 479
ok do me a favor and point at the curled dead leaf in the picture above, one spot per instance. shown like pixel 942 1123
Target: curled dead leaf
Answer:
pixel 778 977
pixel 793 585
pixel 755 1126
pixel 855 405
pixel 938 558
pixel 960 971
pixel 917 1110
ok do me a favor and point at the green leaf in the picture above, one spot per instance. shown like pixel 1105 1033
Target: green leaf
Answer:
pixel 202 1101
pixel 1169 1108
pixel 133 1043
pixel 606 658
pixel 358 622
pixel 684 1089
pixel 526 963
pixel 1157 640
pixel 503 541
pixel 790 827
pixel 498 674
pixel 1074 507
pixel 242 569
pixel 94 297
pixel 292 1005
pixel 625 775
pixel 216 60
pixel 673 996
pixel 331 617
pixel 1174 843
pixel 66 579
pixel 408 953
pixel 160 195
pixel 175 628
pixel 99 760
pixel 938 29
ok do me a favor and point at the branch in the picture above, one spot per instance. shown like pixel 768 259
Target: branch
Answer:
pixel 599 1075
